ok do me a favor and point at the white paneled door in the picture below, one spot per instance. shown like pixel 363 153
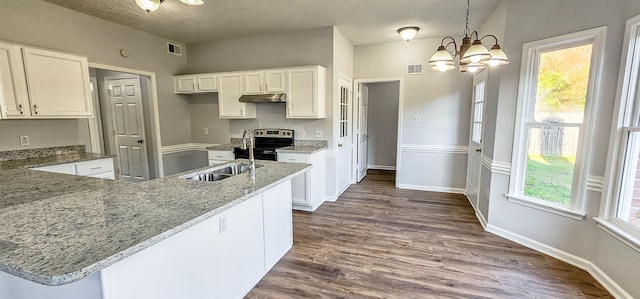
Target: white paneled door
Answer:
pixel 128 128
pixel 345 142
pixel 474 167
pixel 362 132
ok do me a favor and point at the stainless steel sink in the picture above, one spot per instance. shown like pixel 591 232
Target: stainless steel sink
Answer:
pixel 217 174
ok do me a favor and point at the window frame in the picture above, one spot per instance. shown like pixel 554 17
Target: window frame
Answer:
pixel 531 53
pixel 626 119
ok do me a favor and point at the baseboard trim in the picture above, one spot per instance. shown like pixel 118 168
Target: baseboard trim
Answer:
pixel 331 198
pixel 564 256
pixel 483 221
pixel 381 167
pixel 184 147
pixel 431 188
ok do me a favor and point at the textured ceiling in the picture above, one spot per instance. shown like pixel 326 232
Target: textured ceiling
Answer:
pixel 361 21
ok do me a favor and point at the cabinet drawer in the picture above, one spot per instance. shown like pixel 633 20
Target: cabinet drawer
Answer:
pixel 88 168
pixel 293 158
pixel 221 155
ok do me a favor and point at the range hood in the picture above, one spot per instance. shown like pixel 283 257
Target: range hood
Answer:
pixel 264 98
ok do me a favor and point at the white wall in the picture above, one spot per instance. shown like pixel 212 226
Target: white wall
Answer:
pixel 46 25
pixel 441 100
pixel 382 122
pixel 534 20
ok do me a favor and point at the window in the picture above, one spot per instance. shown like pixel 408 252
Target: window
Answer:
pixel 551 144
pixel 344 112
pixel 622 213
pixel 478 103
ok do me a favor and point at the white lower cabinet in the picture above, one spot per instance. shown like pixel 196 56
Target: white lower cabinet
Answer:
pixel 278 227
pixel 224 256
pixel 101 168
pixel 220 157
pixel 307 189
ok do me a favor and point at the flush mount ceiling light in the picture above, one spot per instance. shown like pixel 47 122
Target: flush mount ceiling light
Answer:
pixel 408 33
pixel 471 57
pixel 153 5
pixel 192 2
pixel 149 5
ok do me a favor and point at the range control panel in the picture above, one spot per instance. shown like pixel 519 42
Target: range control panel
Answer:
pixel 273 133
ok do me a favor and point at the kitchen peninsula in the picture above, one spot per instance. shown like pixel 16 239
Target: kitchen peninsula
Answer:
pixel 66 236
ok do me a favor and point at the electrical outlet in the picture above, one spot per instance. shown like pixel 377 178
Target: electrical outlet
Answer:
pixel 206 131
pixel 223 223
pixel 24 140
pixel 417 119
pixel 319 133
pixel 301 133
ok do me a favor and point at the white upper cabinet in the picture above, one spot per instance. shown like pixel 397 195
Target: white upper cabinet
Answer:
pixel 275 81
pixel 57 83
pixel 306 92
pixel 14 101
pixel 229 92
pixel 198 83
pixel 264 81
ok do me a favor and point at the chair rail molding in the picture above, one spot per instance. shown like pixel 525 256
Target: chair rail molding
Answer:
pixel 185 147
pixel 498 167
pixel 438 149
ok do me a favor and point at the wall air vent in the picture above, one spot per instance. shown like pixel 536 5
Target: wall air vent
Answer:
pixel 174 49
pixel 414 69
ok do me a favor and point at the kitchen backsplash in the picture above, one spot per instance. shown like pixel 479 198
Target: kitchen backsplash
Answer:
pixel 41 152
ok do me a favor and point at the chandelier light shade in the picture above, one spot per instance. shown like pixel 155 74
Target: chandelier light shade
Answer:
pixel 192 2
pixel 149 5
pixel 471 57
pixel 407 33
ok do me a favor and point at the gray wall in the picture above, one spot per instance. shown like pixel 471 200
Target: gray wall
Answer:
pixel 530 21
pixel 309 47
pixel 443 102
pixel 42 24
pixel 184 161
pixel 382 122
pixel 43 133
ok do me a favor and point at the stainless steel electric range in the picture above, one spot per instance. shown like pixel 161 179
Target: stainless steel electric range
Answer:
pixel 266 143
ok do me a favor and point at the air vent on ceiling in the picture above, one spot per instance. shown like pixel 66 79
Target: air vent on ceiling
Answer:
pixel 414 69
pixel 174 49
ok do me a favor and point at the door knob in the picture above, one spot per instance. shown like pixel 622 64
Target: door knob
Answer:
pixel 478 150
pixel 339 144
pixel 140 141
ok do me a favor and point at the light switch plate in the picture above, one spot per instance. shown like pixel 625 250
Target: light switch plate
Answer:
pixel 206 131
pixel 417 119
pixel 301 133
pixel 24 140
pixel 319 133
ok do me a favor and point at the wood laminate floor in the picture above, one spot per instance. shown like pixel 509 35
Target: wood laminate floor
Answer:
pixel 377 241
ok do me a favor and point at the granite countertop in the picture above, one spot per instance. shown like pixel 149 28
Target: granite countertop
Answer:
pixel 51 160
pixel 59 228
pixel 223 147
pixel 301 149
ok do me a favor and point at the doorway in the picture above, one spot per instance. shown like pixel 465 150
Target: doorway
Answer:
pixel 377 128
pixel 124 126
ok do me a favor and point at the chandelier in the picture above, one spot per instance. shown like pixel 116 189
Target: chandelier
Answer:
pixel 471 57
pixel 153 5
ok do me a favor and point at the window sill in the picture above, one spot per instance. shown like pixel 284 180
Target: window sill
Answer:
pixel 542 206
pixel 618 233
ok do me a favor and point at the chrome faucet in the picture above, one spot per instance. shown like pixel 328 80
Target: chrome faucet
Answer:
pixel 247 138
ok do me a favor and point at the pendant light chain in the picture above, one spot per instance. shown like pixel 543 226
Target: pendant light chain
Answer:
pixel 466 27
